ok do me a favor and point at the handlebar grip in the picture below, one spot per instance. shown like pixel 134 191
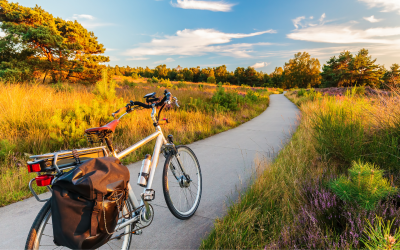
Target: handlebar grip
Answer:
pixel 163 121
pixel 119 111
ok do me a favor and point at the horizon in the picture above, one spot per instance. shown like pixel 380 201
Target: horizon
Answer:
pixel 262 34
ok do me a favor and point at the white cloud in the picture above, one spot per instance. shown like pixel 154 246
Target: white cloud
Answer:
pixel 386 5
pixel 166 60
pixel 198 42
pixel 260 65
pixel 372 19
pixel 83 16
pixel 311 17
pixel 296 21
pixel 322 18
pixel 138 59
pixel 346 34
pixel 88 21
pixel 203 5
pixel 114 58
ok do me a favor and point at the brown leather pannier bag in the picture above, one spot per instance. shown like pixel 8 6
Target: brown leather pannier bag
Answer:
pixel 87 202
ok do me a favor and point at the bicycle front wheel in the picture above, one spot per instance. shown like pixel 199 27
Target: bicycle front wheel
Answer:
pixel 182 184
pixel 41 233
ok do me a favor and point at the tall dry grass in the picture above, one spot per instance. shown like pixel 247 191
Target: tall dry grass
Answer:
pixel 45 118
pixel 290 205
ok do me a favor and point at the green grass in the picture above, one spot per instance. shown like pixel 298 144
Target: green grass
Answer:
pixel 333 132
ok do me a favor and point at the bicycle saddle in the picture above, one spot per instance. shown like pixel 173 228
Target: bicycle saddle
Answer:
pixel 109 126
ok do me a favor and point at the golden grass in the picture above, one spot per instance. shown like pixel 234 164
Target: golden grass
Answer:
pixel 38 119
pixel 271 203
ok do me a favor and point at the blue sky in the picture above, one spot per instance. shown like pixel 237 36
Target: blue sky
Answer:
pixel 260 33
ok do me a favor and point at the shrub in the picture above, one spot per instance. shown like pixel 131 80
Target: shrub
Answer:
pixel 358 90
pixel 227 83
pixel 229 101
pixel 301 92
pixel 105 89
pixel 365 185
pixel 380 235
pixel 154 80
pixel 135 76
pixel 149 81
pixel 211 79
pixel 201 86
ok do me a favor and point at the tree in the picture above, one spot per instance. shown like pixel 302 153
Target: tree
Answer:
pixel 302 71
pixel 392 76
pixel 65 50
pixel 277 77
pixel 336 72
pixel 348 70
pixel 364 70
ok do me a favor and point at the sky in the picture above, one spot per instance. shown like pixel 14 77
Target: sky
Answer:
pixel 263 34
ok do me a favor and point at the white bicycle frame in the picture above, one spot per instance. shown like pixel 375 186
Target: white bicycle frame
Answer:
pixel 160 142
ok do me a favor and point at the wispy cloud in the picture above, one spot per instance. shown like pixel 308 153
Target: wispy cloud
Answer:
pixel 83 16
pixel 198 42
pixel 260 65
pixel 372 19
pixel 386 5
pixel 204 5
pixel 89 21
pixel 166 60
pixel 345 34
pixel 138 59
pixel 298 21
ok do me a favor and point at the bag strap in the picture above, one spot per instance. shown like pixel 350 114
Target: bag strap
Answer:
pixel 94 222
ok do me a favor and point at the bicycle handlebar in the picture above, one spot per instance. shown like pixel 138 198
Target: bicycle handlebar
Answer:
pixel 166 100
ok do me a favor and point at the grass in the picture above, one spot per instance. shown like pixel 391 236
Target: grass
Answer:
pixel 40 118
pixel 291 204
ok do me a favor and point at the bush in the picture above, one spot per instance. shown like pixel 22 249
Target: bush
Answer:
pixel 201 87
pixel 6 148
pixel 129 83
pixel 358 90
pixel 154 80
pixel 229 101
pixel 301 92
pixel 211 79
pixel 149 81
pixel 365 185
pixel 135 76
pixel 104 89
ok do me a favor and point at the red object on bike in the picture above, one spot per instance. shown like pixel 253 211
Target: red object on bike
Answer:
pixel 44 180
pixel 34 168
pixel 110 126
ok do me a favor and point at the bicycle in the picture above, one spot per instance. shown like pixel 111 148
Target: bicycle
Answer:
pixel 181 172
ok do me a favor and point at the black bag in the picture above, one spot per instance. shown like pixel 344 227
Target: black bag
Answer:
pixel 86 202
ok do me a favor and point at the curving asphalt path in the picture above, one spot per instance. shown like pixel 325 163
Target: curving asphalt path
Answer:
pixel 226 161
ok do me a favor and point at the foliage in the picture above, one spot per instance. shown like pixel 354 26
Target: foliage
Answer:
pixel 181 84
pixel 365 185
pixel 302 71
pixel 6 148
pixel 226 99
pixel 36 43
pixel 154 80
pixel 211 79
pixel 105 89
pixel 135 76
pixel 348 70
pixel 132 84
pixel 379 236
pixel 301 92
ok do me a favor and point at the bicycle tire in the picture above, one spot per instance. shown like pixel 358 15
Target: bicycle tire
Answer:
pixel 166 184
pixel 34 239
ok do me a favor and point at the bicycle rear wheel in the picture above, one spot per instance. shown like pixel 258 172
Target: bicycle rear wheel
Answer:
pixel 41 233
pixel 182 186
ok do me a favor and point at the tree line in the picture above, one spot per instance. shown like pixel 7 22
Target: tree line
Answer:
pixel 37 45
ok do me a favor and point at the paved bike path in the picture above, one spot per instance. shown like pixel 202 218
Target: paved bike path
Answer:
pixel 226 160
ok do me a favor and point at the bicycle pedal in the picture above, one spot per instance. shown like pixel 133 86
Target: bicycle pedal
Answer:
pixel 137 232
pixel 149 195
